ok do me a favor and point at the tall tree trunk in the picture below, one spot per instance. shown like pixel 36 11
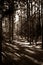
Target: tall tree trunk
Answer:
pixel 10 31
pixel 28 21
pixel 0 39
pixel 12 26
pixel 0 29
pixel 42 20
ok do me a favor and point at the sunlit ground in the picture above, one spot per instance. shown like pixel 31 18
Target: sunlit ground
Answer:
pixel 22 53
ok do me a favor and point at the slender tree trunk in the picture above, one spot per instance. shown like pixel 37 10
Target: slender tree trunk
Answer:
pixel 12 19
pixel 21 23
pixel 42 31
pixel 42 20
pixel 41 17
pixel 0 39
pixel 1 30
pixel 10 31
pixel 28 20
pixel 12 26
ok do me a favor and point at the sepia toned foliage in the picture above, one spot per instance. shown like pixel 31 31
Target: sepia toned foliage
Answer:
pixel 21 18
pixel 21 23
pixel 28 14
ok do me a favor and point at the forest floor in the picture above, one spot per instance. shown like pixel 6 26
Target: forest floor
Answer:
pixel 22 53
